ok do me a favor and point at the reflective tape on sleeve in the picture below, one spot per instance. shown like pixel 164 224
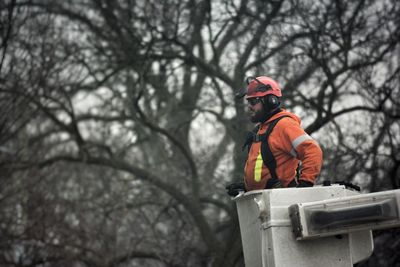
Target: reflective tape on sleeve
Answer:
pixel 300 140
pixel 293 153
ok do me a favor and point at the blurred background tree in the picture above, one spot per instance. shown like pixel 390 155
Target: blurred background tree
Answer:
pixel 119 128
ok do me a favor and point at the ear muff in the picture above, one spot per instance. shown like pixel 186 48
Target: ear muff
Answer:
pixel 271 102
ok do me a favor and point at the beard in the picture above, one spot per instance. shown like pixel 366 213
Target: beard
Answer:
pixel 258 116
pixel 262 115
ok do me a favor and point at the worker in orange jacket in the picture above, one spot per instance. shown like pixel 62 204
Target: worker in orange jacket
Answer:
pixel 277 145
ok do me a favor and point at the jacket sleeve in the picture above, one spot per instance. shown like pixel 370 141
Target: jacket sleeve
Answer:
pixel 304 148
pixel 310 155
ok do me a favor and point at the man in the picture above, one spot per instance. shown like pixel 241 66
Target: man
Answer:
pixel 277 145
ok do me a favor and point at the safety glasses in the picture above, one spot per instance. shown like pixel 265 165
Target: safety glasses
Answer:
pixel 254 101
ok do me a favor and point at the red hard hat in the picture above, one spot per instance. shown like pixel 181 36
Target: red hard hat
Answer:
pixel 262 86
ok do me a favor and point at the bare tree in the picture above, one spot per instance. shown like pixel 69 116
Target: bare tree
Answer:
pixel 123 127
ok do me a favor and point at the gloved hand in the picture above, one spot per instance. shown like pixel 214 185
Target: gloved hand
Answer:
pixel 303 183
pixel 233 189
pixel 273 183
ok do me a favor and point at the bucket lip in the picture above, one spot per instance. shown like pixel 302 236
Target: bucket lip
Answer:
pixel 244 195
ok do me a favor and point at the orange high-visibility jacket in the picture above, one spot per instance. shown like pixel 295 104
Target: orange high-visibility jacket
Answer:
pixel 289 144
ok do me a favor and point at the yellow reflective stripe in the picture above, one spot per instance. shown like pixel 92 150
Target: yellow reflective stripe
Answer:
pixel 258 168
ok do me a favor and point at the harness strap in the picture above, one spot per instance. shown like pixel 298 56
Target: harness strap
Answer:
pixel 266 153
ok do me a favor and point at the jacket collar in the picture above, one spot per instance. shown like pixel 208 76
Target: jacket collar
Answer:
pixel 271 115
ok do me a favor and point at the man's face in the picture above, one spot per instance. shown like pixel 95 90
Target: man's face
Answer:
pixel 255 109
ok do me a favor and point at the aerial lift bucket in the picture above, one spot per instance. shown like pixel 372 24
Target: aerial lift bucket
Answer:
pixel 314 226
